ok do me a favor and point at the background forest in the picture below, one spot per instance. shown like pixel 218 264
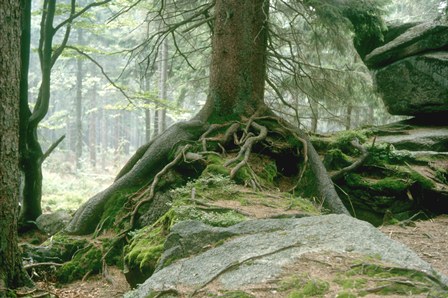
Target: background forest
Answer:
pixel 128 86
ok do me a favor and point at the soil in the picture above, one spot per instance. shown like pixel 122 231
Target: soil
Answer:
pixel 429 239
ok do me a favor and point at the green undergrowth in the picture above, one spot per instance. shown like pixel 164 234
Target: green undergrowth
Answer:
pixel 296 286
pixel 87 259
pixel 84 262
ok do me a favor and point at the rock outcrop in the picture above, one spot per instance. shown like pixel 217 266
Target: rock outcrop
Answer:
pixel 265 258
pixel 411 70
pixel 52 223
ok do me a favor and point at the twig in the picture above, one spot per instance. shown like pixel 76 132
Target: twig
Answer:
pixel 42 264
pixel 364 154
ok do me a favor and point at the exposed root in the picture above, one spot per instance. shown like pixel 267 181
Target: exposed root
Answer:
pixel 29 266
pixel 364 154
pixel 231 130
pixel 149 193
pixel 246 149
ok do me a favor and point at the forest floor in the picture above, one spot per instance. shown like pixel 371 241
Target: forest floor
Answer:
pixel 429 239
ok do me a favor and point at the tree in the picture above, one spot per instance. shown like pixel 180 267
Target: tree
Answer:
pixel 31 153
pixel 236 94
pixel 11 271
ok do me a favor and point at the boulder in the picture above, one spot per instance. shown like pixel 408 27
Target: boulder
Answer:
pixel 416 85
pixel 418 39
pixel 265 255
pixel 51 223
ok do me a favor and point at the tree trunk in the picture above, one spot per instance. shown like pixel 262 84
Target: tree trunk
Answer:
pixel 314 114
pixel 155 125
pixel 162 85
pixel 31 151
pixel 78 105
pixel 348 117
pixel 147 87
pixel 238 66
pixel 11 271
pixel 92 128
pixel 104 134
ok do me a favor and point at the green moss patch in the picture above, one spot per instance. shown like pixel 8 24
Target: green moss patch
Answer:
pixel 114 209
pixel 298 287
pixel 85 261
pixel 379 279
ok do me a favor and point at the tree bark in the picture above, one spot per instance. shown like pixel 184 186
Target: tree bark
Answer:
pixel 238 66
pixel 11 271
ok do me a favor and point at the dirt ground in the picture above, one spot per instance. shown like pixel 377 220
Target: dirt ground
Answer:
pixel 429 239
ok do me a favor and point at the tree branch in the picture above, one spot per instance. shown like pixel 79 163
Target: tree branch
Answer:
pixel 51 149
pixel 74 16
pixel 364 154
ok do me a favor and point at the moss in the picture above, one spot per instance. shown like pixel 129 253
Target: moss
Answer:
pixel 385 185
pixel 336 159
pixel 115 253
pixel 303 286
pixel 304 205
pixel 389 184
pixel 243 175
pixel 236 294
pixel 64 246
pixel 351 283
pixel 344 294
pixel 85 261
pixel 224 218
pixel 422 180
pixel 214 169
pixel 114 206
pixel 315 287
pixel 342 140
pixel 394 281
pixel 269 172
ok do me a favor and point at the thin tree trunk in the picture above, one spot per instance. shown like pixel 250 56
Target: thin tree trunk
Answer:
pixel 78 105
pixel 348 117
pixel 314 114
pixel 162 85
pixel 92 128
pixel 104 135
pixel 155 122
pixel 147 86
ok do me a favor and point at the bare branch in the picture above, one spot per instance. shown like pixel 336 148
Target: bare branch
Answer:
pixel 74 16
pixel 51 149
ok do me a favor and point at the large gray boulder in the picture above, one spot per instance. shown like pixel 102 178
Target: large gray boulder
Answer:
pixel 416 85
pixel 411 70
pixel 259 252
pixel 418 39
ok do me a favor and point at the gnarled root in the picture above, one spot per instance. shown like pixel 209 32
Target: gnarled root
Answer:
pixel 139 173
